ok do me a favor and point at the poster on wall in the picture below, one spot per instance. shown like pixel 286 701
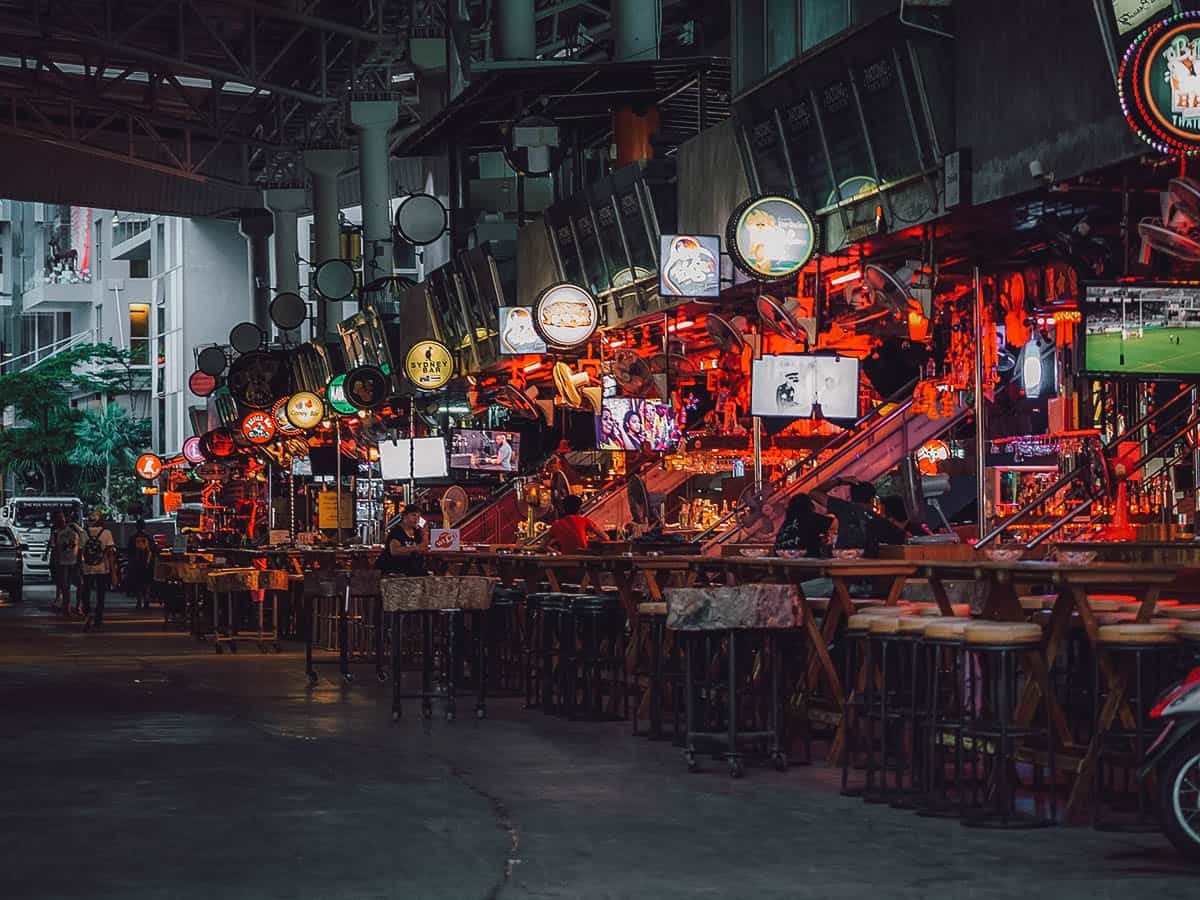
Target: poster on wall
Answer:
pixel 1158 84
pixel 517 334
pixel 690 265
pixel 805 387
pixel 771 237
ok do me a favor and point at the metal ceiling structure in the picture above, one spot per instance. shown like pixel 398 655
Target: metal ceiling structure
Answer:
pixel 191 107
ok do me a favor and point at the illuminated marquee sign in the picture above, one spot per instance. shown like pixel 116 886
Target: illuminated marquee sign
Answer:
pixel 771 237
pixel 1159 85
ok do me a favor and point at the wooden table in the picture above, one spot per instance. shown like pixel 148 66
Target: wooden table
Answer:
pixel 1071 584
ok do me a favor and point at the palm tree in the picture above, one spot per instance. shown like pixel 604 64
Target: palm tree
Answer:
pixel 106 438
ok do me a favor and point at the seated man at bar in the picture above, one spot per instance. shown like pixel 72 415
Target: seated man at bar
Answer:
pixel 405 547
pixel 569 534
pixel 803 529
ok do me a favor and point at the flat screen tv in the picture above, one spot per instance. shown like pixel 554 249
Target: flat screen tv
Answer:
pixel 794 386
pixel 412 458
pixel 1141 330
pixel 485 451
pixel 626 423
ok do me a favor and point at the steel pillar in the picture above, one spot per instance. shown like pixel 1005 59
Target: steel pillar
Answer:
pixel 636 28
pixel 285 205
pixel 514 35
pixel 256 226
pixel 374 119
pixel 325 165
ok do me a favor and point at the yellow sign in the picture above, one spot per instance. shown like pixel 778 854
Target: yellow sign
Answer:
pixel 429 365
pixel 327 510
pixel 305 410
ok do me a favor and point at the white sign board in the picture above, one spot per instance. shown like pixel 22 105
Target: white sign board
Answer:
pixel 445 540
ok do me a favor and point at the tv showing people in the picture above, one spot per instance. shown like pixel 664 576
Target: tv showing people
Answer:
pixel 800 386
pixel 485 451
pixel 1146 331
pixel 629 423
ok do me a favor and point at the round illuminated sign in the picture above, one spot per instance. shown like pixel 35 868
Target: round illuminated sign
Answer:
pixel 201 383
pixel 771 237
pixel 366 388
pixel 305 410
pixel 148 466
pixel 279 411
pixel 1159 85
pixel 191 450
pixel 259 427
pixel 566 316
pixel 931 455
pixel 217 445
pixel 335 393
pixel 428 365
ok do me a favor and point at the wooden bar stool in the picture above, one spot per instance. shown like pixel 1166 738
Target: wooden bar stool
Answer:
pixel 996 647
pixel 651 631
pixel 1130 644
pixel 193 575
pixel 273 583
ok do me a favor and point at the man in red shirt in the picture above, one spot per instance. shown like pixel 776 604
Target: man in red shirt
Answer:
pixel 569 534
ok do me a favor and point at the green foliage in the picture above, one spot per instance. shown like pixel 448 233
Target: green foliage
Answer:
pixel 51 433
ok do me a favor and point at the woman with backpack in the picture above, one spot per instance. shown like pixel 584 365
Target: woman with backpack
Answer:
pixel 141 566
pixel 97 558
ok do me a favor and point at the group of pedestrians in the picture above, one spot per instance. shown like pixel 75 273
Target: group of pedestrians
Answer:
pixel 85 558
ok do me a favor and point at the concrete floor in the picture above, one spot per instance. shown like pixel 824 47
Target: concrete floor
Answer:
pixel 137 764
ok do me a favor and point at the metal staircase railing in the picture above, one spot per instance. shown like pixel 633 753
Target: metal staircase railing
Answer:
pixel 1075 473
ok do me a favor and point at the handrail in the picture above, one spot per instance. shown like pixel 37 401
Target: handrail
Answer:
pixel 827 452
pixel 495 498
pixel 1074 473
pixel 59 346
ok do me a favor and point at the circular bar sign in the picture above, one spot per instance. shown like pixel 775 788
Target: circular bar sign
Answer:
pixel 366 388
pixel 1159 85
pixel 305 410
pixel 335 393
pixel 192 452
pixel 148 466
pixel 771 237
pixel 428 365
pixel 566 316
pixel 259 427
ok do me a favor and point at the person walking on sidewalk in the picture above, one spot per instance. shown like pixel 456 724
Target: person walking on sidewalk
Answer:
pixel 64 560
pixel 141 566
pixel 98 557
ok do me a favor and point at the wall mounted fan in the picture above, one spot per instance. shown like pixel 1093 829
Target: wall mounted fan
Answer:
pixel 560 490
pixel 675 364
pixel 454 505
pixel 631 373
pixel 781 316
pixel 515 402
pixel 727 334
pixel 575 389
pixel 639 500
pixel 1177 232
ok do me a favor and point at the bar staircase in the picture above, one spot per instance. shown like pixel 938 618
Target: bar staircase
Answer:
pixel 872 447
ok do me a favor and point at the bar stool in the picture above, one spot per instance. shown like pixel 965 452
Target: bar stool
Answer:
pixel 884 701
pixel 856 679
pixel 273 583
pixel 996 646
pixel 500 630
pixel 652 631
pixel 193 575
pixel 943 642
pixel 592 655
pixel 553 609
pixel 1130 643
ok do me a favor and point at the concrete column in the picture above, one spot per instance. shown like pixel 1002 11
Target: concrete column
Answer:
pixel 285 205
pixel 635 25
pixel 514 29
pixel 374 119
pixel 325 165
pixel 256 226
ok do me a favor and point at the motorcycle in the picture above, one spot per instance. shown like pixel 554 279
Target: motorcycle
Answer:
pixel 1174 758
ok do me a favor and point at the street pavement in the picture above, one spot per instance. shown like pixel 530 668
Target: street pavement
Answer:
pixel 136 763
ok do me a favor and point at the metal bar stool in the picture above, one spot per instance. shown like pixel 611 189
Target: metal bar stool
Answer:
pixel 592 652
pixel 652 630
pixel 1130 644
pixel 945 712
pixel 532 644
pixel 855 678
pixel 996 646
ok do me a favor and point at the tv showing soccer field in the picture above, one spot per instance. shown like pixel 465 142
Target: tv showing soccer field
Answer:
pixel 1142 331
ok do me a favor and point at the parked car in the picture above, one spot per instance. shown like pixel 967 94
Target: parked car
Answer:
pixel 12 563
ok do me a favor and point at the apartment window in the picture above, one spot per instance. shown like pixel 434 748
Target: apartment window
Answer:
pixel 162 426
pixel 139 268
pixel 139 334
pixel 160 331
